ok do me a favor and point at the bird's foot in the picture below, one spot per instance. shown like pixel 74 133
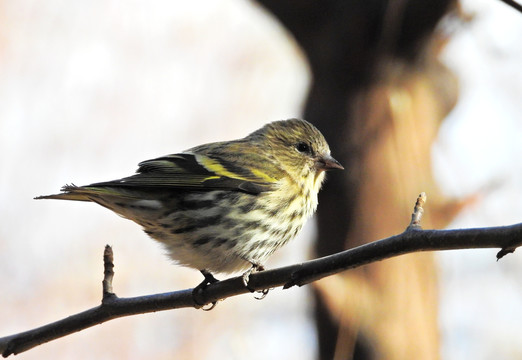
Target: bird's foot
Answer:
pixel 246 279
pixel 196 293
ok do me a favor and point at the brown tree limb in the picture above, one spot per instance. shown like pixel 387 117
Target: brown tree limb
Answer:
pixel 413 239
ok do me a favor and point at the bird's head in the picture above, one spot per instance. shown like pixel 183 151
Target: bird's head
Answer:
pixel 299 148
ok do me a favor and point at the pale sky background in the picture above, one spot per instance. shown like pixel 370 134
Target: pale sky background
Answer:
pixel 88 90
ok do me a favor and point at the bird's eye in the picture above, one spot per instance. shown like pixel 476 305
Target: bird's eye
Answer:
pixel 303 147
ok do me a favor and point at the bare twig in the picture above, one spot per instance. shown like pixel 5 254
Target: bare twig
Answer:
pixel 417 212
pixel 512 3
pixel 414 239
pixel 108 272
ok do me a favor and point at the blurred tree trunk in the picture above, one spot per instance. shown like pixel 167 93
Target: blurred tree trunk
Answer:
pixel 379 95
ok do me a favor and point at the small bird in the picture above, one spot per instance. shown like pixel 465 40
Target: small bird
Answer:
pixel 223 207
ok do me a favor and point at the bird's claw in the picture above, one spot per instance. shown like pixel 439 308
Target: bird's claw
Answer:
pixel 246 279
pixel 196 293
pixel 262 294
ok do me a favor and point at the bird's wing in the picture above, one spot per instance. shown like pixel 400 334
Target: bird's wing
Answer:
pixel 195 171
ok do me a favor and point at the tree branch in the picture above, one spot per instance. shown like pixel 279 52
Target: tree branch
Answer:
pixel 513 4
pixel 413 239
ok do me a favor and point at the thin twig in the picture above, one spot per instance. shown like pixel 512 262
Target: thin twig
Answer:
pixel 515 5
pixel 418 210
pixel 108 272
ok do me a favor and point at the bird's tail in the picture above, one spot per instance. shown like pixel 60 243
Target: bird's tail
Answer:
pixel 78 193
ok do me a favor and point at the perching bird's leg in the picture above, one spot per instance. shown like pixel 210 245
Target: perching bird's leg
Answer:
pixel 246 278
pixel 209 279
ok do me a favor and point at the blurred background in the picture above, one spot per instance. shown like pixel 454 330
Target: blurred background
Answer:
pixel 88 90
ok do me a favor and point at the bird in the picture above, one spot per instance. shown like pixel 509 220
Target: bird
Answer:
pixel 223 207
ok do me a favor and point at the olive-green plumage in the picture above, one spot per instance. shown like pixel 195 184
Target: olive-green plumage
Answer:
pixel 224 206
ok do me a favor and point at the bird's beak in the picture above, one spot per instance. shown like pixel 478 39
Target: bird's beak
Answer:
pixel 327 162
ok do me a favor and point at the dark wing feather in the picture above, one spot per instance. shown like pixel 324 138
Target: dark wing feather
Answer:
pixel 192 172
